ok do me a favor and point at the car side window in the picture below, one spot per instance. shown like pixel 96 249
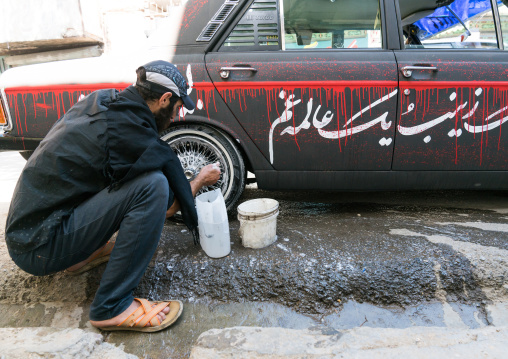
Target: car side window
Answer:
pixel 457 24
pixel 257 30
pixel 503 17
pixel 331 24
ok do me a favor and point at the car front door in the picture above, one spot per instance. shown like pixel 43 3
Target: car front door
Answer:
pixel 453 87
pixel 311 82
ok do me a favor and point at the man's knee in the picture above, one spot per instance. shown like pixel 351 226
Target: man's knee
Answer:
pixel 157 183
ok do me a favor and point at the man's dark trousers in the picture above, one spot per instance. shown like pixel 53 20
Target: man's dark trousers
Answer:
pixel 136 210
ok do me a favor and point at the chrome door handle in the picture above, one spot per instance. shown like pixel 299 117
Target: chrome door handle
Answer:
pixel 225 71
pixel 407 71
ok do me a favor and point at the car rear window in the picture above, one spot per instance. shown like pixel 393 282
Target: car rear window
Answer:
pixel 307 24
pixel 331 24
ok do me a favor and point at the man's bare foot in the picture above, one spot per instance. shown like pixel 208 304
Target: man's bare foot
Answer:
pixel 121 317
pixel 105 250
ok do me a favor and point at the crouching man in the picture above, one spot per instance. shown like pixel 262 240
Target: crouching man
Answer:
pixel 101 169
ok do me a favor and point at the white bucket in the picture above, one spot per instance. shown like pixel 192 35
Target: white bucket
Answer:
pixel 258 222
pixel 213 224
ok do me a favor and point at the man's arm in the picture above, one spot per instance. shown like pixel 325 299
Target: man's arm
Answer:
pixel 208 176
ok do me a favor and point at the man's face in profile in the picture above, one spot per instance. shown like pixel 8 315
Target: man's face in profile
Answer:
pixel 164 115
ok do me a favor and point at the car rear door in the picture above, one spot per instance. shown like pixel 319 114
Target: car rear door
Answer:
pixel 453 86
pixel 311 82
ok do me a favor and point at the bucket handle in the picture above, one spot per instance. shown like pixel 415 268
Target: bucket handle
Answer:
pixel 258 217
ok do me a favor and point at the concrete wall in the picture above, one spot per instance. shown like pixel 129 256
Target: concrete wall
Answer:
pixel 129 24
pixel 34 31
pixel 28 25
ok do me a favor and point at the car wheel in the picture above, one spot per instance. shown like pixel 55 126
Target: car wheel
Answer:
pixel 197 146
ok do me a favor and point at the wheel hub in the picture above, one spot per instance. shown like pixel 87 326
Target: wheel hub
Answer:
pixel 190 173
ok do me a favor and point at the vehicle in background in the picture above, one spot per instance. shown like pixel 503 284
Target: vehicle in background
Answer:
pixel 314 94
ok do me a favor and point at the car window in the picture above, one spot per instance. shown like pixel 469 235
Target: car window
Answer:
pixel 322 24
pixel 331 24
pixel 503 17
pixel 457 24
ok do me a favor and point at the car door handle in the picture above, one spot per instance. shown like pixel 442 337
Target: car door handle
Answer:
pixel 225 71
pixel 407 71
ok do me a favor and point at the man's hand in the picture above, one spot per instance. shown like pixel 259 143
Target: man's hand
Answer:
pixel 209 175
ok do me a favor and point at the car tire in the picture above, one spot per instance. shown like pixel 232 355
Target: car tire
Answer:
pixel 197 146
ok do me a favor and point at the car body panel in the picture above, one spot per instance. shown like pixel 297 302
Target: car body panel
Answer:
pixel 382 180
pixel 452 119
pixel 300 106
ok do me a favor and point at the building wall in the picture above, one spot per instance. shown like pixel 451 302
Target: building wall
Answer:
pixel 29 25
pixel 34 31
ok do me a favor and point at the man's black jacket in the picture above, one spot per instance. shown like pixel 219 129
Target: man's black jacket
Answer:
pixel 103 141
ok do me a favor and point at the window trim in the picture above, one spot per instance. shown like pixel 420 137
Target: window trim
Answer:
pixel 281 25
pixel 497 24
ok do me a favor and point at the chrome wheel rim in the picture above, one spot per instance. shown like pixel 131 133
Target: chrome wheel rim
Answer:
pixel 195 153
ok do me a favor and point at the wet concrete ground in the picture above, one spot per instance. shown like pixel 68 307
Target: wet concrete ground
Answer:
pixel 335 247
pixel 342 260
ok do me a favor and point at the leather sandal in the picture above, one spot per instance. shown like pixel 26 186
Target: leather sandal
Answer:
pixel 147 313
pixel 96 260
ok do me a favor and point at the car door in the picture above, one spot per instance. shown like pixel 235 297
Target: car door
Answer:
pixel 311 82
pixel 453 86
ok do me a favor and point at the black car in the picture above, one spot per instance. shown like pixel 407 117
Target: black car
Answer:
pixel 314 94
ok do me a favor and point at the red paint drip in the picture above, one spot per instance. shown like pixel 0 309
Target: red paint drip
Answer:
pixel 456 120
pixel 495 97
pixel 17 95
pixel 237 92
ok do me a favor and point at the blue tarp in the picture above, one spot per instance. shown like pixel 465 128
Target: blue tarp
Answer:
pixel 443 18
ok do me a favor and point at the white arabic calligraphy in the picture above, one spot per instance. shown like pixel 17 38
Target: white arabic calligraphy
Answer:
pixel 455 133
pixel 286 116
pixel 305 124
pixel 199 105
pixel 385 141
pixel 374 104
pixel 473 110
pixel 320 122
pixel 351 131
pixel 409 131
pixel 326 119
pixel 488 126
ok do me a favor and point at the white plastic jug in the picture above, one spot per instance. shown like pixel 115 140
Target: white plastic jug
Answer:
pixel 213 224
